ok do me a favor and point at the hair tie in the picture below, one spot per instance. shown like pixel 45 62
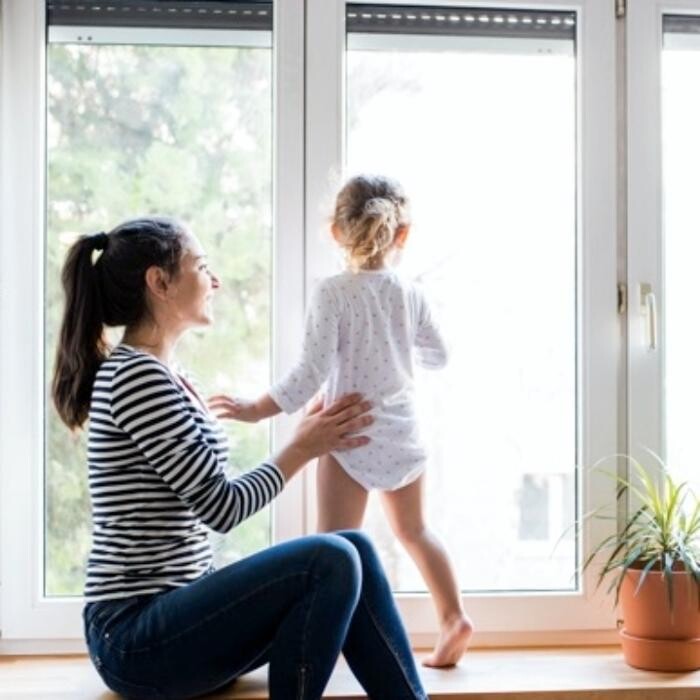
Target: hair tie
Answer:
pixel 99 240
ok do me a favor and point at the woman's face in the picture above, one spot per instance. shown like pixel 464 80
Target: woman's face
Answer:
pixel 191 291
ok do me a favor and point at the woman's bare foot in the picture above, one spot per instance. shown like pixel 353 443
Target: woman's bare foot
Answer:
pixel 452 643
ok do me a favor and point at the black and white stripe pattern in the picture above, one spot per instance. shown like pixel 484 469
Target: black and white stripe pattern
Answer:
pixel 156 473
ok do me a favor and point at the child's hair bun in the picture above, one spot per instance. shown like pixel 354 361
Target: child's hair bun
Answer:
pixel 382 208
pixel 379 205
pixel 368 212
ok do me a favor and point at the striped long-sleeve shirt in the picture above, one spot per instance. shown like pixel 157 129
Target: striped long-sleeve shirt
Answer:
pixel 156 475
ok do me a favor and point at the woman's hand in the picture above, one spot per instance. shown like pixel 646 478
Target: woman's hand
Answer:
pixel 323 430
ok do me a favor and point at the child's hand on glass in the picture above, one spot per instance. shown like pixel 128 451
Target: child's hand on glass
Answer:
pixel 244 410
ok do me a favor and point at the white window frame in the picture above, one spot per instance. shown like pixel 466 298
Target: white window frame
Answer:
pixel 644 36
pixel 21 318
pixel 585 617
pixel 29 621
pixel 645 249
pixel 308 41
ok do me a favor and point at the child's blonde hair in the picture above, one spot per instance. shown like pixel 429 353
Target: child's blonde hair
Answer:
pixel 369 209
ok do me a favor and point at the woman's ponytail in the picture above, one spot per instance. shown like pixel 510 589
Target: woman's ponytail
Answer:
pixel 81 345
pixel 109 291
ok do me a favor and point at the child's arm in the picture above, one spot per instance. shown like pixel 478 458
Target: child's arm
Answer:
pixel 305 378
pixel 243 409
pixel 319 351
pixel 430 345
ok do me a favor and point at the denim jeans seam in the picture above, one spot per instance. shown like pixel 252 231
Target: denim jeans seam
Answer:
pixel 99 617
pixel 243 670
pixel 301 687
pixel 256 658
pixel 225 608
pixel 304 630
pixel 389 646
pixel 312 562
pixel 102 669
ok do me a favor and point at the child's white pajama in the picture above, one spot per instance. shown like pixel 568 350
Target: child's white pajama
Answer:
pixel 364 331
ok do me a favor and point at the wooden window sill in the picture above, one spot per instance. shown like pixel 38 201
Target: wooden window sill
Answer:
pixel 596 673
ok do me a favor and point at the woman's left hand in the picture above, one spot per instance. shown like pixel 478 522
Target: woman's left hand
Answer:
pixel 323 430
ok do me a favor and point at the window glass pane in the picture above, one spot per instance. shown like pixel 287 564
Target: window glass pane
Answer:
pixel 681 243
pixel 184 131
pixel 481 131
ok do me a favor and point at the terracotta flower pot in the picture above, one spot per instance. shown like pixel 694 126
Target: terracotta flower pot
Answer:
pixel 654 635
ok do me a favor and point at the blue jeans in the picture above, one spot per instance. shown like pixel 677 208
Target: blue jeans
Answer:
pixel 296 605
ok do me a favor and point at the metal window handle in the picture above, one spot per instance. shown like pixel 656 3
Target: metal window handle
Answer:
pixel 648 299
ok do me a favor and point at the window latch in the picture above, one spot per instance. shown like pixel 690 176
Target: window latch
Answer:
pixel 621 298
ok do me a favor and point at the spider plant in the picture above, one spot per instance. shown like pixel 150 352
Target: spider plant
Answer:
pixel 662 534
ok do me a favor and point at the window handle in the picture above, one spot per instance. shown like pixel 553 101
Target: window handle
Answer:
pixel 649 309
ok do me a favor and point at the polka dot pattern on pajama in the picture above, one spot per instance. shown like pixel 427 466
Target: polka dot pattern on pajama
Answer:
pixel 364 332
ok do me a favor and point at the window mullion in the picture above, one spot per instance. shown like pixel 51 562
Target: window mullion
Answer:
pixel 644 156
pixel 290 518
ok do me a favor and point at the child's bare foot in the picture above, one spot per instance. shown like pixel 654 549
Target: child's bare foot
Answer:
pixel 452 643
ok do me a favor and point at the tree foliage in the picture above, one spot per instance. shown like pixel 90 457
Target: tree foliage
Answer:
pixel 183 131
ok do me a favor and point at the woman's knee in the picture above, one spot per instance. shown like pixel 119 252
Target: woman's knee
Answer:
pixel 356 537
pixel 338 558
pixel 373 574
pixel 362 543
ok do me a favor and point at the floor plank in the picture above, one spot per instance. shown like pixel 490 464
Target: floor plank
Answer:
pixel 523 674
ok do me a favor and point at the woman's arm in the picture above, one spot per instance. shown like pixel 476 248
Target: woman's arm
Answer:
pixel 149 407
pixel 320 430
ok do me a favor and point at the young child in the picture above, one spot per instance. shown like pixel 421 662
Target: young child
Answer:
pixel 364 329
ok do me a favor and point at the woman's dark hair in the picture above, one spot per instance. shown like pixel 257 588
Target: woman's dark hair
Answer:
pixel 111 291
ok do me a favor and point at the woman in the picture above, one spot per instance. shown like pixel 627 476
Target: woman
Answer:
pixel 160 622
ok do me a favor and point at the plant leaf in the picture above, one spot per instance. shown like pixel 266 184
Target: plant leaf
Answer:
pixel 668 575
pixel 644 574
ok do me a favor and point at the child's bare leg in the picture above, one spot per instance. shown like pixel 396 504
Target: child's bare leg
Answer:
pixel 341 500
pixel 404 509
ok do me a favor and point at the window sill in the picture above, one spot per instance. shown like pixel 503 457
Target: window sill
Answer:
pixel 490 674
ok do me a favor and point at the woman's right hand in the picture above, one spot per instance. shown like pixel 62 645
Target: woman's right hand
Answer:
pixel 323 430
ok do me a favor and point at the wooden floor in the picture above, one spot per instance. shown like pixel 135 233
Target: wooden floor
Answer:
pixel 533 674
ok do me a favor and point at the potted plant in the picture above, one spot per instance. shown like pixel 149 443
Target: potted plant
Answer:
pixel 654 563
